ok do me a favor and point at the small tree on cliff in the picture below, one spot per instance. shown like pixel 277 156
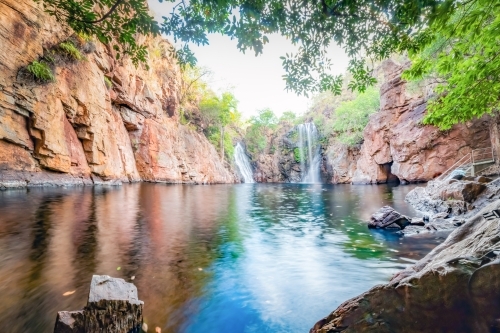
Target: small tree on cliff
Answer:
pixel 219 112
pixel 259 128
pixel 228 104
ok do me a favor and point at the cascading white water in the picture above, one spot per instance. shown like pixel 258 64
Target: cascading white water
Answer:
pixel 243 163
pixel 309 153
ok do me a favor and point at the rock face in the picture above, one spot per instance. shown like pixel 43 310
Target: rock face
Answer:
pixel 113 306
pixel 396 144
pixel 278 163
pixel 76 130
pixel 339 163
pixel 268 168
pixel 455 288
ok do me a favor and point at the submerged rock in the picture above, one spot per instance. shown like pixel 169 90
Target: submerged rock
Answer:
pixel 113 306
pixel 387 218
pixel 455 288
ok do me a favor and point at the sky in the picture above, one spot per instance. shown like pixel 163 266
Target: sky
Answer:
pixel 256 82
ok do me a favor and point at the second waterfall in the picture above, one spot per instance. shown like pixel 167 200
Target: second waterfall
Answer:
pixel 310 156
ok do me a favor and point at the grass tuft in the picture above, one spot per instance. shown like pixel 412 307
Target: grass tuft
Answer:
pixel 41 71
pixel 71 50
pixel 108 82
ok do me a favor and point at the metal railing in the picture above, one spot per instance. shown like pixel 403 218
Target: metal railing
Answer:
pixel 464 161
pixel 483 155
pixel 468 161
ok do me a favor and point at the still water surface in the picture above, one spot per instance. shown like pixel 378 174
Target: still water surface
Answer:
pixel 211 259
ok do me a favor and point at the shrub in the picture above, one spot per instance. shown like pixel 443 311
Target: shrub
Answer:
pixel 70 50
pixel 40 71
pixel 351 117
pixel 260 127
pixel 296 154
pixel 255 139
pixel 183 118
pixel 213 135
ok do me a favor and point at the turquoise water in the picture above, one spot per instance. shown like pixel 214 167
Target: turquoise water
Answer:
pixel 222 258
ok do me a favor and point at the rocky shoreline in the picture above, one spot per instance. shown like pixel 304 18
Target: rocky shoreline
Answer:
pixel 456 287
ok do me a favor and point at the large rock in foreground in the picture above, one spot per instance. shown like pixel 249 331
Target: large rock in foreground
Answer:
pixel 113 306
pixel 455 288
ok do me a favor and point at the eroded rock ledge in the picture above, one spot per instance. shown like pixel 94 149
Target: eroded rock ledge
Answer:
pixel 101 121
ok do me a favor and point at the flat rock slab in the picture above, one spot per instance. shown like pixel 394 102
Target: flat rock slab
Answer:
pixel 104 287
pixel 113 307
pixel 463 191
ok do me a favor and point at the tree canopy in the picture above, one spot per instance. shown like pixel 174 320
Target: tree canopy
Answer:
pixel 462 55
pixel 456 40
pixel 351 117
pixel 373 28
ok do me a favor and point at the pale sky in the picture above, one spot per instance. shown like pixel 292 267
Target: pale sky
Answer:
pixel 256 82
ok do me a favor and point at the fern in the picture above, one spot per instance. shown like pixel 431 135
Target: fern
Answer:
pixel 41 71
pixel 70 50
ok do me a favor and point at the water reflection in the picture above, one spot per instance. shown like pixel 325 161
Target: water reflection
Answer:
pixel 228 258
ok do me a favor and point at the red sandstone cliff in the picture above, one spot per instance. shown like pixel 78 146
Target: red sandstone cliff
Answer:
pixel 77 131
pixel 397 144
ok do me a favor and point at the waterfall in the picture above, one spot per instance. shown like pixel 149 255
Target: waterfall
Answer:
pixel 243 163
pixel 310 156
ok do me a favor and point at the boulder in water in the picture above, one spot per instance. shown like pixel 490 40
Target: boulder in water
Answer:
pixel 387 218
